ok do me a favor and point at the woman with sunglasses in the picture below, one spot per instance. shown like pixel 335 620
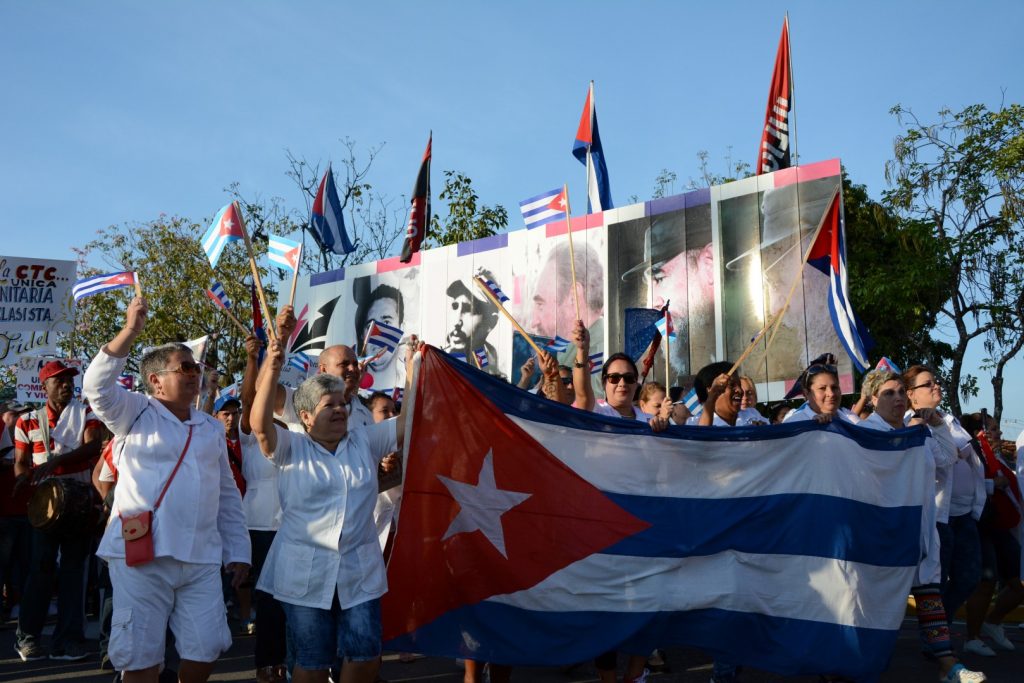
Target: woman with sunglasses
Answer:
pixel 961 495
pixel 619 376
pixel 889 399
pixel 197 526
pixel 822 394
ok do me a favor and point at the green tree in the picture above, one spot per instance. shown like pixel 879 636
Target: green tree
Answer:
pixel 467 219
pixel 893 264
pixel 963 177
pixel 174 274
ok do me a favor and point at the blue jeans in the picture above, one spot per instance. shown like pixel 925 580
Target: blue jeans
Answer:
pixel 320 636
pixel 74 550
pixel 960 553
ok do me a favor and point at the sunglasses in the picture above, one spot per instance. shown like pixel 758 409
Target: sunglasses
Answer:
pixel 616 377
pixel 567 381
pixel 188 367
pixel 927 385
pixel 819 368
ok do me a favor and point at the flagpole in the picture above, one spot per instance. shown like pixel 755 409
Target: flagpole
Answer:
pixel 590 159
pixel 295 277
pixel 800 271
pixel 366 338
pixel 668 342
pixel 572 254
pixel 138 286
pixel 271 332
pixel 519 328
pixel 750 347
pixel 237 322
pixel 792 92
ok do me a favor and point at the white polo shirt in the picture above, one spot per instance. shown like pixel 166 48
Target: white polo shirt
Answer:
pixel 327 543
pixel 200 520
pixel 261 504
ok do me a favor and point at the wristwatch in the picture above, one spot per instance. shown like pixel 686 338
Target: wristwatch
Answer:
pixel 580 365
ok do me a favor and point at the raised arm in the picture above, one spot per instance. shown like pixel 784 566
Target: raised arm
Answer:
pixel 581 370
pixel 252 369
pixel 262 415
pixel 112 404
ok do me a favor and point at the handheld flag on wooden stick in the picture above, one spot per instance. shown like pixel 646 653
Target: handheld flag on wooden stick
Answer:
pixel 255 271
pixel 220 299
pixel 419 212
pixel 287 254
pixel 497 297
pixel 226 227
pixel 544 208
pixel 103 283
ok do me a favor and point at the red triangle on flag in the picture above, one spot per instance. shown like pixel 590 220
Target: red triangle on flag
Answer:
pixel 559 202
pixel 551 516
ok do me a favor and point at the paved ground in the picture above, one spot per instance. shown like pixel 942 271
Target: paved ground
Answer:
pixel 688 666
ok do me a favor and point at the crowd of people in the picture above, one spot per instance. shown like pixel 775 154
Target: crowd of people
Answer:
pixel 284 501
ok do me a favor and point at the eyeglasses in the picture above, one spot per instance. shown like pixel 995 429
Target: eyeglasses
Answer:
pixel 616 377
pixel 927 385
pixel 567 381
pixel 819 368
pixel 187 367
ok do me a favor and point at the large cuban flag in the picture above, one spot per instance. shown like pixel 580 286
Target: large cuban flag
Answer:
pixel 535 533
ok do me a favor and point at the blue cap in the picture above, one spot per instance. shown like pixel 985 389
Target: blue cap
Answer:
pixel 219 404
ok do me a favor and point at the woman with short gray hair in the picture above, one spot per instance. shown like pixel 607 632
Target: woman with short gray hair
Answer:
pixel 325 565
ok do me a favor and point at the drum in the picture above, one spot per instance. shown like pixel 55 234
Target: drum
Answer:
pixel 63 506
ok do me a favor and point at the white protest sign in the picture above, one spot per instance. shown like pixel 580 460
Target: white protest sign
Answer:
pixel 17 345
pixel 30 389
pixel 35 294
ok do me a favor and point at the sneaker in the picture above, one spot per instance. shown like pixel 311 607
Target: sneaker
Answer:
pixel 978 647
pixel 71 652
pixel 30 651
pixel 995 632
pixel 961 674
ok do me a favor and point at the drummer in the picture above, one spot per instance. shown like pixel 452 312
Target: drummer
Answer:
pixel 59 440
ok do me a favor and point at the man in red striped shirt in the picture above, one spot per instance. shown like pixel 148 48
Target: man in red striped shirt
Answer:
pixel 60 439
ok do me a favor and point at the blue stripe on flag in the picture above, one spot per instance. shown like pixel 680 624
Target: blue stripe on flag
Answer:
pixel 507 633
pixel 781 524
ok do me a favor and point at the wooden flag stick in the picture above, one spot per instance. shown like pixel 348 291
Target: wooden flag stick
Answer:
pixel 490 295
pixel 800 271
pixel 750 347
pixel 572 255
pixel 271 331
pixel 237 322
pixel 138 286
pixel 295 277
pixel 668 348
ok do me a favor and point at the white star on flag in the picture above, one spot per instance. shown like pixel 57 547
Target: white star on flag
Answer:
pixel 482 505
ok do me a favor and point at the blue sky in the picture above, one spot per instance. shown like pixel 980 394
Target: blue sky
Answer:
pixel 119 111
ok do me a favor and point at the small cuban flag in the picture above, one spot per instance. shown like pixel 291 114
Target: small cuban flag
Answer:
pixel 300 361
pixel 887 364
pixel 102 283
pixel 229 391
pixel 544 208
pixel 557 345
pixel 495 290
pixel 383 335
pixel 227 226
pixel 481 358
pixel 596 361
pixel 692 403
pixel 459 355
pixel 665 326
pixel 126 381
pixel 219 296
pixel 397 394
pixel 284 252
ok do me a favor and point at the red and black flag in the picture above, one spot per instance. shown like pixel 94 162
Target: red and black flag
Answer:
pixel 774 153
pixel 419 212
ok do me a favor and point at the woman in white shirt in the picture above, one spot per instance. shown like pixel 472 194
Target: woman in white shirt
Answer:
pixel 960 495
pixel 820 384
pixel 889 398
pixel 325 565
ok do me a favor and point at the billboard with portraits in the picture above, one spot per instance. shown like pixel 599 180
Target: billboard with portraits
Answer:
pixel 724 259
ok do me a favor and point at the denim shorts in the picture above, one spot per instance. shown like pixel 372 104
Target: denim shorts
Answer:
pixel 319 637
